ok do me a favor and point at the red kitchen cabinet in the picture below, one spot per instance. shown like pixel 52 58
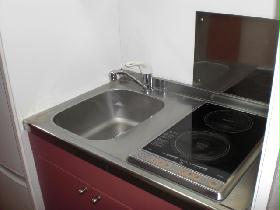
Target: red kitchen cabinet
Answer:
pixel 61 190
pixel 62 174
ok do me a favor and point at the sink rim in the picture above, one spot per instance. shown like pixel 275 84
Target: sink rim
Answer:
pixel 84 97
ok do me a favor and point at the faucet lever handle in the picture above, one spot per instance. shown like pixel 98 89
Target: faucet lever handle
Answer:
pixel 130 64
pixel 144 68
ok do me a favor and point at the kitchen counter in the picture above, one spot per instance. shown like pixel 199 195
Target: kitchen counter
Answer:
pixel 179 100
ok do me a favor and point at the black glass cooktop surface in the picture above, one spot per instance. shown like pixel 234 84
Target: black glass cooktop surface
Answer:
pixel 256 86
pixel 212 140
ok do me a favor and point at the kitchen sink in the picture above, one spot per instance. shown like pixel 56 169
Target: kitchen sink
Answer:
pixel 108 115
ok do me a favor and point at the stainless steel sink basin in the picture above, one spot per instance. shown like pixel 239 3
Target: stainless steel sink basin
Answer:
pixel 108 114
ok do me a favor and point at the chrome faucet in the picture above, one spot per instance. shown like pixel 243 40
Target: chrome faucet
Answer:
pixel 146 83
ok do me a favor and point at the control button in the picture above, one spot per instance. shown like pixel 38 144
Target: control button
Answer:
pixel 213 184
pixel 158 162
pixel 185 173
pixel 153 160
pixel 195 177
pixel 161 163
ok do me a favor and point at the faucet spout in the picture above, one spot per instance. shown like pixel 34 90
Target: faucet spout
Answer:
pixel 147 79
pixel 145 70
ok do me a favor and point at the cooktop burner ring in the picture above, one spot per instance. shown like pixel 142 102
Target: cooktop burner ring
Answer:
pixel 228 121
pixel 202 146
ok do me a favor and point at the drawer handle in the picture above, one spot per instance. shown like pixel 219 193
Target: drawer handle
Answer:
pixel 82 190
pixel 95 199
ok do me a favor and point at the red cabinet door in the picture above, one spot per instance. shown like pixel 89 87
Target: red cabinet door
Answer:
pixel 60 190
pixel 113 186
pixel 101 201
pixel 63 191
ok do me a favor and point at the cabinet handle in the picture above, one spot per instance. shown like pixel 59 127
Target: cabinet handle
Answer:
pixel 95 199
pixel 82 190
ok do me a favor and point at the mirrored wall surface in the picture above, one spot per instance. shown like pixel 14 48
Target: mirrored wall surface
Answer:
pixel 235 54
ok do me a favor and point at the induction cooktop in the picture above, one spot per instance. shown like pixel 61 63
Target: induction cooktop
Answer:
pixel 208 151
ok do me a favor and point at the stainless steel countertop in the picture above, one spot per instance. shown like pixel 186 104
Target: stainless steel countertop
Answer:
pixel 179 100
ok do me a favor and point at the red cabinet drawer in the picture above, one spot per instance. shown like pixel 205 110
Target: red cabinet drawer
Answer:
pixel 59 189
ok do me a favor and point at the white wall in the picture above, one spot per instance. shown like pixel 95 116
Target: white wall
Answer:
pixel 57 49
pixel 162 32
pixel 52 51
